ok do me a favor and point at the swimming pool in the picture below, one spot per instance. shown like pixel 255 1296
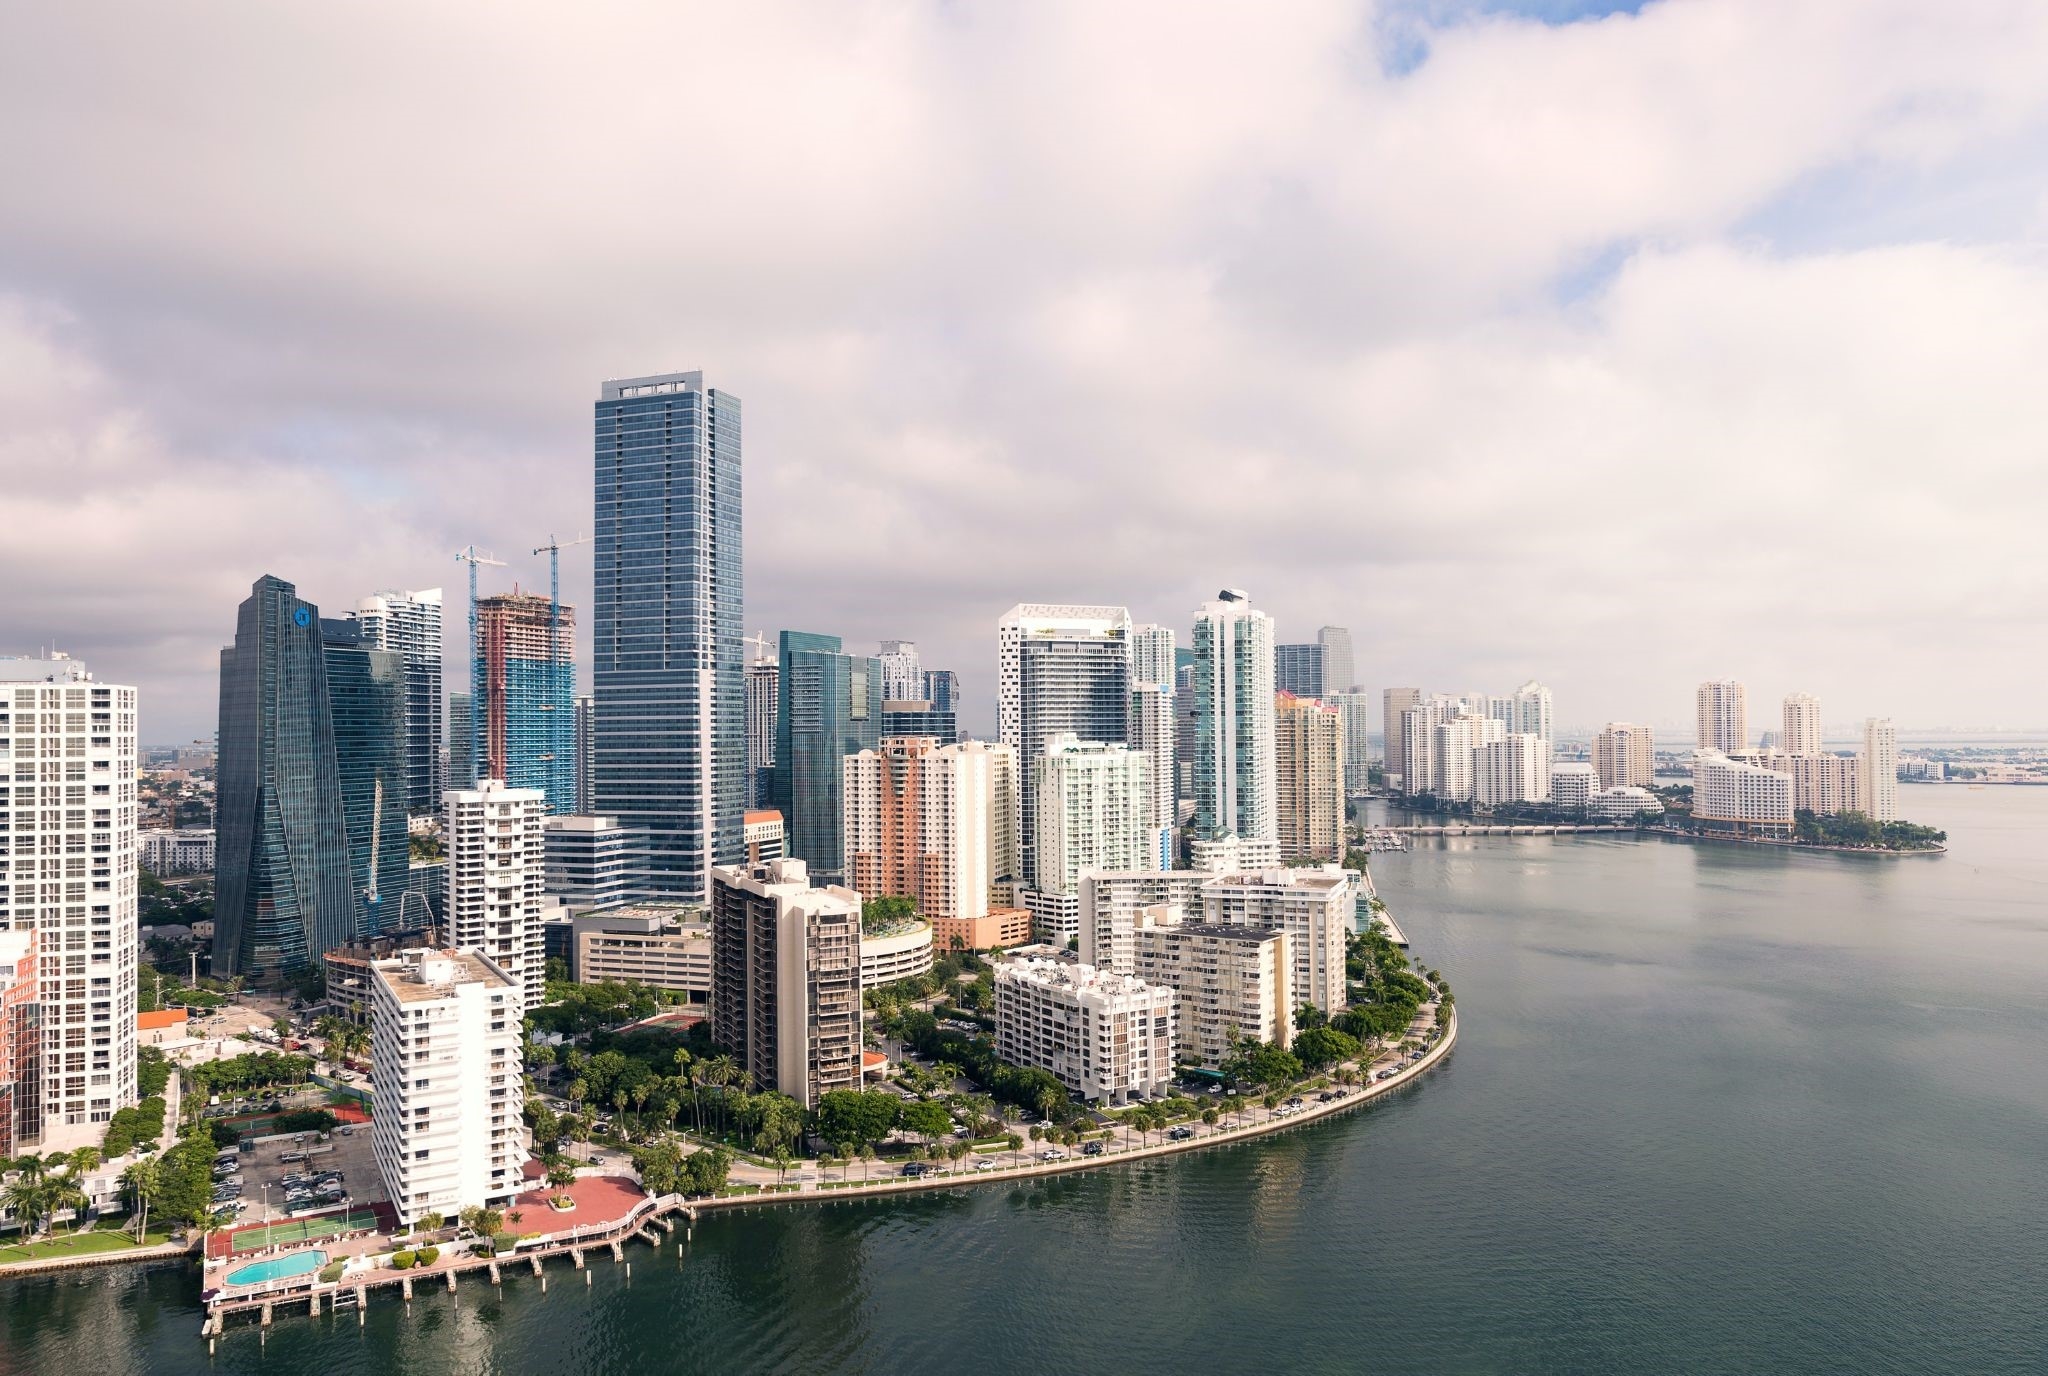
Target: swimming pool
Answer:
pixel 278 1268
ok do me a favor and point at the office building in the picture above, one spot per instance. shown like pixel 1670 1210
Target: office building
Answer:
pixel 1235 783
pixel 497 871
pixel 942 690
pixel 1801 735
pixel 1723 717
pixel 667 636
pixel 444 1051
pixel 917 717
pixel 1232 981
pixel 1739 796
pixel 1091 802
pixel 1340 674
pixel 764 680
pixel 461 770
pixel 1298 669
pixel 586 726
pixel 764 838
pixel 1104 1036
pixel 829 707
pixel 926 821
pixel 1064 669
pixel 592 862
pixel 902 677
pixel 1313 905
pixel 663 945
pixel 367 694
pixel 526 671
pixel 409 625
pixel 1395 704
pixel 177 852
pixel 785 972
pixel 1624 756
pixel 1309 759
pixel 1878 786
pixel 1573 786
pixel 1514 769
pixel 282 894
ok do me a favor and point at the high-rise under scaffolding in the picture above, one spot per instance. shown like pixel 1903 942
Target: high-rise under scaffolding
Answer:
pixel 527 668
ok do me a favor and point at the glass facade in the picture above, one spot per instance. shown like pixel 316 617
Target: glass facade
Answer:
pixel 1078 684
pixel 929 721
pixel 1298 669
pixel 526 665
pixel 410 623
pixel 461 742
pixel 367 692
pixel 281 855
pixel 829 707
pixel 668 673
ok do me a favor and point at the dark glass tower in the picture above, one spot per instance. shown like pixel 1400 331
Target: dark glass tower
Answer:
pixel 668 673
pixel 1298 669
pixel 829 707
pixel 367 692
pixel 281 859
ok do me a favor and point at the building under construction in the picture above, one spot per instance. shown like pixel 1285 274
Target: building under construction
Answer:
pixel 526 671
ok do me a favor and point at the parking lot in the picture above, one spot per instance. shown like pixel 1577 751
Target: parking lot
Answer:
pixel 346 1150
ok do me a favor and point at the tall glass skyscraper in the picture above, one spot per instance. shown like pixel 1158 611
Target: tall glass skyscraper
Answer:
pixel 461 742
pixel 1064 669
pixel 281 877
pixel 410 623
pixel 829 707
pixel 526 667
pixel 1298 669
pixel 669 655
pixel 1236 780
pixel 367 692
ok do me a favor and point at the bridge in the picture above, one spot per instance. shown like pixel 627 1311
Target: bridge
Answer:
pixel 1516 829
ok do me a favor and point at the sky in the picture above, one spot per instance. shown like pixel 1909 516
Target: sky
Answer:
pixel 1618 346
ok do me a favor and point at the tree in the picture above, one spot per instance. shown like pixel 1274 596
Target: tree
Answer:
pixel 139 1182
pixel 1308 1016
pixel 28 1198
pixel 928 1120
pixel 858 1116
pixel 1324 1046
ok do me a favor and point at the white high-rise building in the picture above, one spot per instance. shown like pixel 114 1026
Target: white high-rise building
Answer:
pixel 1395 704
pixel 1152 654
pixel 1152 735
pixel 1723 717
pixel 1233 980
pixel 1529 713
pixel 72 880
pixel 497 872
pixel 410 623
pixel 1313 905
pixel 1573 787
pixel 1740 795
pixel 902 675
pixel 1878 783
pixel 1104 1036
pixel 1454 755
pixel 1625 756
pixel 1340 674
pixel 444 1050
pixel 1801 735
pixel 928 821
pixel 1235 765
pixel 592 862
pixel 764 684
pixel 1092 802
pixel 1515 769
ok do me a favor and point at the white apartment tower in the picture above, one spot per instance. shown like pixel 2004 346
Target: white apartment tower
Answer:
pixel 1092 802
pixel 1802 725
pixel 1152 736
pixel 1529 713
pixel 1878 780
pixel 930 822
pixel 444 1049
pixel 1515 769
pixel 1104 1036
pixel 902 675
pixel 1454 754
pixel 1314 906
pixel 497 872
pixel 1739 795
pixel 1235 780
pixel 67 774
pixel 1723 717
pixel 1624 756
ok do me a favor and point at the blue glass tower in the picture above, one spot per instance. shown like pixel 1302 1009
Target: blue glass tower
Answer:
pixel 281 868
pixel 668 730
pixel 830 707
pixel 368 692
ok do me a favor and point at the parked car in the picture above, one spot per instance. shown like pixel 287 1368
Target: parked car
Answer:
pixel 1053 1154
pixel 912 1170
pixel 1092 1149
pixel 1181 1133
pixel 986 1163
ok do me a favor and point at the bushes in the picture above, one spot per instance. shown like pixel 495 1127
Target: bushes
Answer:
pixel 140 1125
pixel 152 1071
pixel 403 1260
pixel 427 1256
pixel 304 1120
pixel 331 1272
pixel 225 1134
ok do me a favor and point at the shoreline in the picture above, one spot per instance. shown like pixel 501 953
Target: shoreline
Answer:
pixel 1794 846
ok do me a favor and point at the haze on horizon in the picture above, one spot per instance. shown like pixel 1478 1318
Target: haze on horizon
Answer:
pixel 1618 350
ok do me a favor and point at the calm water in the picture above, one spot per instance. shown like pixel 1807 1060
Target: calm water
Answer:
pixel 1711 1110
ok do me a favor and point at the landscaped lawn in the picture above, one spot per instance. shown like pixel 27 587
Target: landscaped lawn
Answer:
pixel 80 1244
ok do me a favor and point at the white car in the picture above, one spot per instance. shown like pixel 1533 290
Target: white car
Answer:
pixel 1053 1154
pixel 985 1164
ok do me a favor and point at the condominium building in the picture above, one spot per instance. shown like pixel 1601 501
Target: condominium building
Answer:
pixel 902 676
pixel 444 1051
pixel 497 870
pixel 1529 711
pixel 1340 674
pixel 21 1043
pixel 1356 712
pixel 1395 704
pixel 1801 735
pixel 351 973
pixel 409 624
pixel 1309 765
pixel 1233 981
pixel 1572 786
pixel 1104 1036
pixel 1878 789
pixel 1723 717
pixel 1624 804
pixel 1109 901
pixel 1624 756
pixel 1235 768
pixel 786 985
pixel 1454 755
pixel 930 822
pixel 764 679
pixel 525 679
pixel 177 852
pixel 1821 784
pixel 1314 906
pixel 830 706
pixel 668 667
pixel 1739 795
pixel 1152 657
pixel 72 880
pixel 592 862
pixel 1153 736
pixel 461 767
pixel 1515 769
pixel 1091 800
pixel 764 836
pixel 1298 669
pixel 1064 669
pixel 665 945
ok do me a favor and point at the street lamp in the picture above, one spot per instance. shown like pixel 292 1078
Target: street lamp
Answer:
pixel 266 1216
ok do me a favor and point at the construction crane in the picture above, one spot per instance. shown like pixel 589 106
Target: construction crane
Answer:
pixel 561 667
pixel 473 556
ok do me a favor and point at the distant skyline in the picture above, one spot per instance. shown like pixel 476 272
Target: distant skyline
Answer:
pixel 1619 350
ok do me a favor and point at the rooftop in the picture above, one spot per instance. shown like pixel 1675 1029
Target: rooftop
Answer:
pixel 417 976
pixel 1228 931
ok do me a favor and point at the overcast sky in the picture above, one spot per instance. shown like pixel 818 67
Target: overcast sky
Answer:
pixel 1614 349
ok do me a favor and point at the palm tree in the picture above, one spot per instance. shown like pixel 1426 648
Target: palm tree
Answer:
pixel 29 1197
pixel 85 1159
pixel 66 1193
pixel 141 1181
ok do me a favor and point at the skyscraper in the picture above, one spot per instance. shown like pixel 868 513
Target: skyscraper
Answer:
pixel 368 694
pixel 461 737
pixel 1298 669
pixel 1529 714
pixel 1340 674
pixel 921 821
pixel 902 679
pixel 1152 658
pixel 1235 789
pixel 942 690
pixel 1309 757
pixel 410 624
pixel 785 978
pixel 1624 756
pixel 669 659
pixel 586 718
pixel 497 868
pixel 1802 725
pixel 1723 716
pixel 1091 812
pixel 1394 740
pixel 71 886
pixel 1877 784
pixel 1063 668
pixel 764 678
pixel 281 872
pixel 1358 719
pixel 830 707
pixel 525 656
pixel 1155 730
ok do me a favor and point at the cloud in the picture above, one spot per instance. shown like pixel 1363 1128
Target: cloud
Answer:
pixel 1620 352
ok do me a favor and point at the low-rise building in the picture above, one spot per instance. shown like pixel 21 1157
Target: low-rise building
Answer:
pixel 1104 1036
pixel 1623 804
pixel 1000 927
pixel 21 1045
pixel 177 852
pixel 666 945
pixel 351 976
pixel 899 952
pixel 444 1050
pixel 1232 981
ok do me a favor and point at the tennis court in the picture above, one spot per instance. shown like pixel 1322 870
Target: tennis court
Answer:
pixel 265 1124
pixel 292 1231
